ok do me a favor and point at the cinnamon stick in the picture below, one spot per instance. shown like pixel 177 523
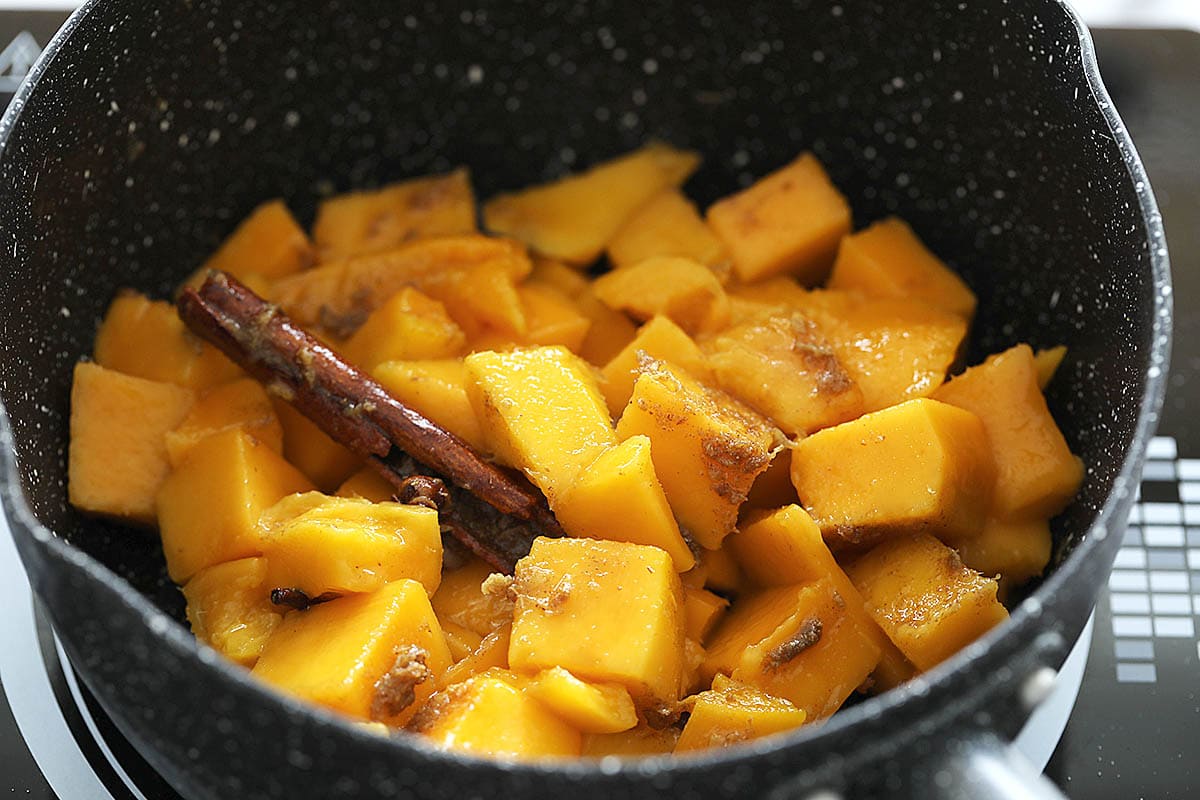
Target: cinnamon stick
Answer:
pixel 494 512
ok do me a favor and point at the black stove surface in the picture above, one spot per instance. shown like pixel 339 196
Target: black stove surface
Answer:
pixel 1133 729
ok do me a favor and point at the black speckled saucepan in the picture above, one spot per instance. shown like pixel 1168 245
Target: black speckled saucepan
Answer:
pixel 150 127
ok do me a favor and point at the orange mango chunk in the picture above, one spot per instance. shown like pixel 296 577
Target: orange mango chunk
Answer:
pixel 1013 551
pixel 919 465
pixel 326 463
pixel 437 389
pixel 368 484
pixel 117 460
pixel 609 612
pixel 229 607
pixel 1036 473
pixel 789 222
pixel 359 223
pixel 702 611
pixel 269 243
pixel 371 656
pixel 241 404
pixel 640 741
pixel 924 598
pixel 409 325
pixel 684 290
pixel 888 260
pixel 462 642
pixel 608 330
pixel 733 712
pixel 668 225
pixel 461 599
pixel 574 218
pixel 208 507
pixel 660 339
pixel 492 653
pixel 587 707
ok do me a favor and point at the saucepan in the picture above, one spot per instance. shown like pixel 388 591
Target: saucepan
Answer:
pixel 148 128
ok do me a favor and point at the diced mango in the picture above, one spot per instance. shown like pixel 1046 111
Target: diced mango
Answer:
pixel 372 656
pixel 605 611
pixel 587 707
pixel 574 218
pixel 733 712
pixel 462 642
pixel 1047 363
pixel 721 571
pixel 702 610
pixel 490 715
pixel 774 488
pixel 1012 551
pixel 326 463
pixel 461 599
pixel 341 545
pixel 409 325
pixel 888 260
pixel 117 460
pixel 797 642
pixel 269 243
pixel 492 653
pixel 789 222
pixel 552 318
pixel 368 484
pixel 541 411
pixel 640 741
pixel 623 478
pixel 242 404
pixel 367 222
pixel 437 389
pixel 668 225
pixel 684 290
pixel 924 598
pixel 919 465
pixel 780 365
pixel 483 298
pixel 608 331
pixel 1036 473
pixel 707 448
pixel 229 607
pixel 146 338
pixel 660 339
pixel 208 508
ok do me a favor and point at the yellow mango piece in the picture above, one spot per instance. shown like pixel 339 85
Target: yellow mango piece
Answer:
pixel 462 642
pixel 640 741
pixel 145 338
pixel 409 325
pixel 660 339
pixel 437 389
pixel 732 712
pixel 368 484
pixel 572 219
pixel 702 610
pixel 268 244
pixel 492 653
pixel 342 545
pixel 623 477
pixel 241 404
pixel 490 715
pixel 924 598
pixel 587 707
pixel 1014 552
pixel 668 225
pixel 797 642
pixel 461 599
pixel 606 611
pixel 707 448
pixel 117 460
pixel 372 656
pixel 721 571
pixel 684 290
pixel 789 222
pixel 608 331
pixel 919 465
pixel 888 260
pixel 1047 363
pixel 358 223
pixel 341 294
pixel 326 463
pixel 774 488
pixel 229 607
pixel 541 411
pixel 1036 473
pixel 552 318
pixel 483 298
pixel 780 365
pixel 208 507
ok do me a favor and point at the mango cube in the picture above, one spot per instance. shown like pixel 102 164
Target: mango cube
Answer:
pixel 640 741
pixel 609 612
pixel 462 642
pixel 437 389
pixel 490 715
pixel 229 607
pixel 707 448
pixel 572 219
pixel 326 463
pixel 888 260
pixel 587 707
pixel 409 325
pixel 924 598
pixel 702 610
pixel 372 656
pixel 268 243
pixel 660 339
pixel 368 484
pixel 921 464
pixel 483 298
pixel 790 222
pixel 241 404
pixel 541 411
pixel 117 460
pixel 608 331
pixel 1012 551
pixel 684 290
pixel 668 225
pixel 623 477
pixel 1036 473
pixel 492 653
pixel 208 507
pixel 773 488
pixel 461 599
pixel 366 222
pixel 552 318
pixel 733 712
pixel 339 545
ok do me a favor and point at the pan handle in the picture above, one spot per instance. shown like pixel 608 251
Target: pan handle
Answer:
pixel 985 767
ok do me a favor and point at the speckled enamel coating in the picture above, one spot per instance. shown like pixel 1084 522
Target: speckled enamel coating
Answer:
pixel 150 128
